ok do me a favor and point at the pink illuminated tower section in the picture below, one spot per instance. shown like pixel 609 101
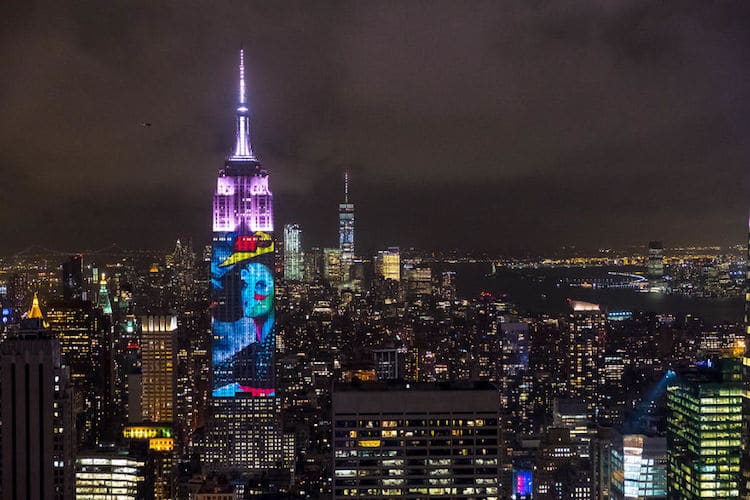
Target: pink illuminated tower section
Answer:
pixel 242 198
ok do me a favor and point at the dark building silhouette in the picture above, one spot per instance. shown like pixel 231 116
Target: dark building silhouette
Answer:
pixel 37 432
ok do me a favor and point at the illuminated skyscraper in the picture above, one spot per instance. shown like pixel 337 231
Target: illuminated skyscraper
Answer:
pixel 157 355
pixel 102 300
pixel 293 254
pixel 704 432
pixel 84 346
pixel 346 230
pixel 388 264
pixel 244 433
pixel 333 265
pixel 182 275
pixel 655 266
pixel 102 477
pixel 638 465
pixel 655 259
pixel 585 348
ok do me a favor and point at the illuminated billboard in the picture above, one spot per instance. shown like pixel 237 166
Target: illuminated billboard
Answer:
pixel 522 480
pixel 243 289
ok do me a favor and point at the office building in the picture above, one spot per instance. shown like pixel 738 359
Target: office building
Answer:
pixel 704 431
pixel 155 444
pixel 192 373
pixel 586 342
pixel 447 290
pixel 638 467
pixel 101 476
pixel 418 279
pixel 387 364
pixel 157 367
pixel 560 474
pixel 572 414
pixel 83 344
pixel 181 275
pixel 416 440
pixel 72 279
pixel 244 432
pixel 388 264
pixel 313 264
pixel 333 266
pixel 655 266
pixel 294 257
pixel 38 432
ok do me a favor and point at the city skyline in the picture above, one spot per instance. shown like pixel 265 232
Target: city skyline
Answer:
pixel 452 250
pixel 524 129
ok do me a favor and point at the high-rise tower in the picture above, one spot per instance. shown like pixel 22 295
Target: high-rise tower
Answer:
pixel 38 435
pixel 244 433
pixel 293 254
pixel 346 230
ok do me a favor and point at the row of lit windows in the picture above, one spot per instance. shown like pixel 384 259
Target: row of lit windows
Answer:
pixel 369 424
pixel 420 491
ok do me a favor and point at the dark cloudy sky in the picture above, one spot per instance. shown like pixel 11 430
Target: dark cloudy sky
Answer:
pixel 504 125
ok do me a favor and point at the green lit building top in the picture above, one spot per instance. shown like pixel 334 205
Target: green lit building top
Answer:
pixel 704 431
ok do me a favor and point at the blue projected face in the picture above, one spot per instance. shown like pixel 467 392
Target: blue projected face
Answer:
pixel 257 295
pixel 243 317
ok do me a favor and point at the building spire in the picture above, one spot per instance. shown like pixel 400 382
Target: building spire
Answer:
pixel 243 150
pixel 243 96
pixel 35 311
pixel 346 187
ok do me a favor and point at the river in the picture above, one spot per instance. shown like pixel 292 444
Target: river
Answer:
pixel 538 291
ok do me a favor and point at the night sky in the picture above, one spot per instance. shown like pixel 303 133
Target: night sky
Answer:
pixel 502 125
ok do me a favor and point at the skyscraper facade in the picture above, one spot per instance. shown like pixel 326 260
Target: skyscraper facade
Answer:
pixel 83 343
pixel 388 264
pixel 638 465
pixel 334 270
pixel 244 431
pixel 157 358
pixel 655 259
pixel 416 440
pixel 101 476
pixel 346 230
pixel 38 433
pixel 72 274
pixel 293 254
pixel 704 431
pixel 586 330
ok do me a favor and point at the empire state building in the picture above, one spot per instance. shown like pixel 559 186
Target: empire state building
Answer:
pixel 244 433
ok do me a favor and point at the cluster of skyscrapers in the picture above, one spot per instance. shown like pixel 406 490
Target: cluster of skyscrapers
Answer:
pixel 259 367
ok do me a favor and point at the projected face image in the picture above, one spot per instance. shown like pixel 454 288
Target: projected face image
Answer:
pixel 243 317
pixel 257 295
